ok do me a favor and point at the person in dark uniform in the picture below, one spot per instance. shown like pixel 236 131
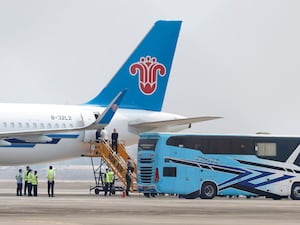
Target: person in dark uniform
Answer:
pixel 98 136
pixel 130 165
pixel 128 182
pixel 114 140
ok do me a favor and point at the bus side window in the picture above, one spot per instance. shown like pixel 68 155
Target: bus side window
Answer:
pixel 297 161
pixel 202 145
pixel 169 172
pixel 266 149
pixel 219 146
pixel 242 147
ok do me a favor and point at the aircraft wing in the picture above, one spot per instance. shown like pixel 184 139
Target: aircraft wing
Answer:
pixel 40 135
pixel 166 125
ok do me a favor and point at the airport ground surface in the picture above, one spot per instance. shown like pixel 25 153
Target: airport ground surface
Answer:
pixel 74 205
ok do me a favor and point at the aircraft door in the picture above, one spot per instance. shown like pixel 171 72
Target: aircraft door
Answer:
pixel 88 117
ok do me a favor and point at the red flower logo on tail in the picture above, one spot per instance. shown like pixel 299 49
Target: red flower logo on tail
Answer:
pixel 148 69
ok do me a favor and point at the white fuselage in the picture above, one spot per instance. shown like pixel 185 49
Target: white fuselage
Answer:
pixel 29 149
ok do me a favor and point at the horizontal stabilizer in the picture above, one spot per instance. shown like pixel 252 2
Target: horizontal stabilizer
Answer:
pixel 156 125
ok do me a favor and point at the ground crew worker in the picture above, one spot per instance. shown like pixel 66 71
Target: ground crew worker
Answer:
pixel 109 178
pixel 26 180
pixel 29 182
pixel 128 182
pixel 34 182
pixel 130 165
pixel 50 178
pixel 19 178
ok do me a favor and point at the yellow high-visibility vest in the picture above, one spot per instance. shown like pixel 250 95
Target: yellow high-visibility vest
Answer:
pixel 29 178
pixel 25 175
pixel 50 175
pixel 109 176
pixel 34 180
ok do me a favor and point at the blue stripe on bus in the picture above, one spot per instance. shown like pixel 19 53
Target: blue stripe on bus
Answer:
pixel 242 185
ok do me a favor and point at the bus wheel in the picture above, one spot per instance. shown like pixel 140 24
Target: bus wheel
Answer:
pixel 208 190
pixel 295 192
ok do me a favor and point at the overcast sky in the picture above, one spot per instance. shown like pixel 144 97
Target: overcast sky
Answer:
pixel 236 59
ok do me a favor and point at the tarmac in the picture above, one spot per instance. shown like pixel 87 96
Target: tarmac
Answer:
pixel 74 204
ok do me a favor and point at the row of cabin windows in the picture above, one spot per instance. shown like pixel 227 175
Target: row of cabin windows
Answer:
pixel 278 150
pixel 35 125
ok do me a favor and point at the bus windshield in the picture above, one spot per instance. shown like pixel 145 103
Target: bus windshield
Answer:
pixel 147 144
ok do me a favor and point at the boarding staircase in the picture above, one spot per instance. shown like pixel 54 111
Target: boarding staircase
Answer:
pixel 117 162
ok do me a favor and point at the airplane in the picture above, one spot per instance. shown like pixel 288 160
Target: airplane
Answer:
pixel 131 102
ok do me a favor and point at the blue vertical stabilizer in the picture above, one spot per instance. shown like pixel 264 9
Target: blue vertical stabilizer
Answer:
pixel 146 72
